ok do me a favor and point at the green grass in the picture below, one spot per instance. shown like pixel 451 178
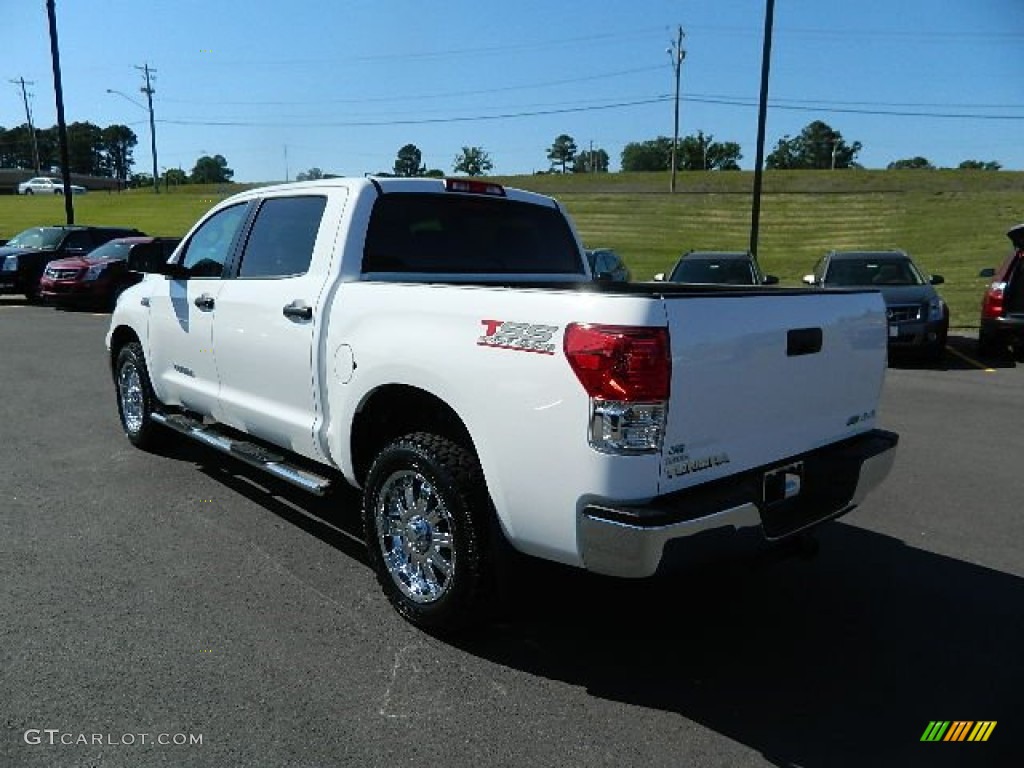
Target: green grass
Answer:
pixel 952 223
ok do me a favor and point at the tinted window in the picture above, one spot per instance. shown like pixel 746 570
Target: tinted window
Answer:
pixel 210 246
pixel 78 241
pixel 456 234
pixel 115 249
pixel 38 237
pixel 868 271
pixel 727 271
pixel 282 237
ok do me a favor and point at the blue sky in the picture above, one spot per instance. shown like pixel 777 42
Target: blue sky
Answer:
pixel 281 87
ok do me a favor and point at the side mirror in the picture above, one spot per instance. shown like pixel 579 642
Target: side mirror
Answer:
pixel 936 280
pixel 771 280
pixel 660 277
pixel 987 272
pixel 151 259
pixel 809 279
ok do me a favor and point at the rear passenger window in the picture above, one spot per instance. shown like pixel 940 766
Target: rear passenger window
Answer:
pixel 282 237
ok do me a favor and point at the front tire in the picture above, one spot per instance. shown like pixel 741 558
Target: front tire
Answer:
pixel 426 518
pixel 136 402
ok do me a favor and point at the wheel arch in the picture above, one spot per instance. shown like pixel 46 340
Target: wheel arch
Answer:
pixel 393 410
pixel 123 334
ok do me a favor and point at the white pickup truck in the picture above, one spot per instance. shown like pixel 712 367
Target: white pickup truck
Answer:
pixel 441 345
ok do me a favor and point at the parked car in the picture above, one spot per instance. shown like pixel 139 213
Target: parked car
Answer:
pixel 100 276
pixel 722 267
pixel 25 256
pixel 1002 307
pixel 606 264
pixel 918 317
pixel 47 185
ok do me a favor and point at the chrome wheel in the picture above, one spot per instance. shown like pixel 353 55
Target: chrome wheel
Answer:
pixel 416 536
pixel 129 387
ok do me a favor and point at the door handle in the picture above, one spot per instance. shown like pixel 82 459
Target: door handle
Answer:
pixel 299 310
pixel 204 302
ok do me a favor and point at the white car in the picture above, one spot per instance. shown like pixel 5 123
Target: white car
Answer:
pixel 46 185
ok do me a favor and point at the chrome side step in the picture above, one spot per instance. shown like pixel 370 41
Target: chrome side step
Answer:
pixel 252 454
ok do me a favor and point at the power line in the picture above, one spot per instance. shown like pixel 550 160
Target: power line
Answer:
pixel 420 96
pixel 425 121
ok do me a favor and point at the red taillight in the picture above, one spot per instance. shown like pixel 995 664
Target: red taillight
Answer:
pixel 474 187
pixel 622 363
pixel 992 304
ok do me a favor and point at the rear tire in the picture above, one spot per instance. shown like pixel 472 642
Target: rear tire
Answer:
pixel 989 344
pixel 426 518
pixel 29 192
pixel 136 402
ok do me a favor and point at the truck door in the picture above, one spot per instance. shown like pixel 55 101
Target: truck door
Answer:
pixel 181 361
pixel 267 321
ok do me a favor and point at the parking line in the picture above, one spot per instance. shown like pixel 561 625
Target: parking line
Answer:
pixel 971 361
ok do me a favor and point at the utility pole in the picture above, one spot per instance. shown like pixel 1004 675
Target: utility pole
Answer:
pixel 62 126
pixel 149 91
pixel 28 117
pixel 676 54
pixel 762 116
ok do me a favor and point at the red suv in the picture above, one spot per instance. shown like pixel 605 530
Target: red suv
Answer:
pixel 98 277
pixel 1002 308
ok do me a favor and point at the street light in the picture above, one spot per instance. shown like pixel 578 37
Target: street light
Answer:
pixel 152 130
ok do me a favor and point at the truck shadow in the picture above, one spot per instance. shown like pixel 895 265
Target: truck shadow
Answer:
pixel 841 661
pixel 834 662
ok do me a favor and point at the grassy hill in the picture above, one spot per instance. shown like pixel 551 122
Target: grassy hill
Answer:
pixel 952 222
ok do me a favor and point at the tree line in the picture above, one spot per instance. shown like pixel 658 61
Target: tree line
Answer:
pixel 92 150
pixel 818 146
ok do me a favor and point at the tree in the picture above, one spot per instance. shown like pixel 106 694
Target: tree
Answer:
pixel 311 175
pixel 817 147
pixel 409 161
pixel 979 165
pixel 86 150
pixel 175 177
pixel 472 161
pixel 703 153
pixel 910 163
pixel 563 152
pixel 591 161
pixel 118 141
pixel 653 155
pixel 211 170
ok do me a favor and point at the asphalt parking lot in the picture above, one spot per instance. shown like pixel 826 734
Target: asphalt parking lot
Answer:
pixel 183 595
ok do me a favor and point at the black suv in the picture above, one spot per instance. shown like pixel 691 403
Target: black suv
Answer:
pixel 24 257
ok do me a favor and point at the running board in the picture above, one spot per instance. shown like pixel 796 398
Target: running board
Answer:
pixel 252 454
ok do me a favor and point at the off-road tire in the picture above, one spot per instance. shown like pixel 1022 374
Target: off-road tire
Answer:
pixel 429 495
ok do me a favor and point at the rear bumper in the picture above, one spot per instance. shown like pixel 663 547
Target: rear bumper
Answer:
pixel 1008 326
pixel 629 540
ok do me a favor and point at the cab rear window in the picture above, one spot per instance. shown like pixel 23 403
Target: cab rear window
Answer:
pixel 456 234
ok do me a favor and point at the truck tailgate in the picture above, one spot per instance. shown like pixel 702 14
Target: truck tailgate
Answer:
pixel 760 377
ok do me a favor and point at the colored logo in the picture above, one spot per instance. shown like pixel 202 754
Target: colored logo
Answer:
pixel 958 730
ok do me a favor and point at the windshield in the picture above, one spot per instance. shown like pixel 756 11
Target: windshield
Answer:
pixel 37 237
pixel 869 271
pixel 725 271
pixel 115 249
